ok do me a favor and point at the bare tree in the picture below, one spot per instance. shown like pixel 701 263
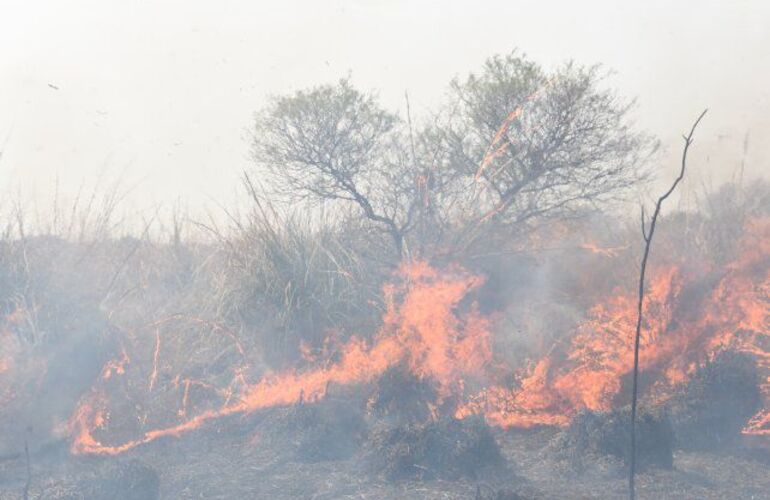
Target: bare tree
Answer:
pixel 647 236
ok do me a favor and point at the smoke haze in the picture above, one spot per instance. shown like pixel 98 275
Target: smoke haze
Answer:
pixel 160 94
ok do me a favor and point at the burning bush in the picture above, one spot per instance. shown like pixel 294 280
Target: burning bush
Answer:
pixel 446 447
pixel 592 434
pixel 712 408
pixel 401 395
pixel 308 279
pixel 329 430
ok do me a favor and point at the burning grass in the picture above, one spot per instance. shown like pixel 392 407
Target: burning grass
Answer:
pixel 422 395
pixel 710 411
pixel 329 430
pixel 443 448
pixel 593 436
pixel 401 396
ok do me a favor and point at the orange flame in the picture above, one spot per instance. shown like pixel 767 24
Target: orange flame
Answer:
pixel 155 355
pixel 677 338
pixel 422 330
pixel 433 330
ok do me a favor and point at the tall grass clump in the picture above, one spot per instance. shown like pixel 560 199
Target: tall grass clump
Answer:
pixel 297 276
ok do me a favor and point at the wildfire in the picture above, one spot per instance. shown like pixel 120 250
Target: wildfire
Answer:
pixel 603 251
pixel 434 329
pixel 677 338
pixel 116 366
pixel 420 329
pixel 155 355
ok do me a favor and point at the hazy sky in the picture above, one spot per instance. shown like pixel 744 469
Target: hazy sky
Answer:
pixel 161 92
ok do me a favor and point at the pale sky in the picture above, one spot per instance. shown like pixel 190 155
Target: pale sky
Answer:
pixel 161 92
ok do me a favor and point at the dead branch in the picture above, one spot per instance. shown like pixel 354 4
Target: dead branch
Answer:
pixel 647 236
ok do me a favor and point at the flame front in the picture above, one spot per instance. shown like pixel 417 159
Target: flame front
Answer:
pixel 433 328
pixel 420 329
pixel 681 332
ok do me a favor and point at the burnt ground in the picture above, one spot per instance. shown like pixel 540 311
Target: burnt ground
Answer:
pixel 245 459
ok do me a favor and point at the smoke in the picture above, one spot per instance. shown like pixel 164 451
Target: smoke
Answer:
pixel 676 59
pixel 278 334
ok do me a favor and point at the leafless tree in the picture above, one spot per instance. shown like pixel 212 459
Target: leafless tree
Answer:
pixel 647 235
